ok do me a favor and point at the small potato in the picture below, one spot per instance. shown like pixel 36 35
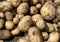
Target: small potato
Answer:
pixel 4 34
pixel 53 37
pixel 45 35
pixel 9 25
pixel 1 41
pixel 33 2
pixel 50 27
pixel 33 10
pixel 35 35
pixel 15 31
pixel 23 8
pixel 15 3
pixel 1 15
pixel 48 11
pixel 1 23
pixel 25 23
pixel 8 16
pixel 15 20
pixel 5 6
pixel 25 0
pixel 38 6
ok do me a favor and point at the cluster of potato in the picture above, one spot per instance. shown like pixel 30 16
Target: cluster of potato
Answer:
pixel 29 20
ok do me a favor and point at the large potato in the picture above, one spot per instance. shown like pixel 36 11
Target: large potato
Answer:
pixel 48 11
pixel 53 37
pixel 25 23
pixel 35 35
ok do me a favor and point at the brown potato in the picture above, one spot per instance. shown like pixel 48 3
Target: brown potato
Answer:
pixel 53 37
pixel 48 11
pixel 9 25
pixel 33 10
pixel 4 34
pixel 38 6
pixel 23 8
pixel 1 15
pixel 25 23
pixel 1 41
pixel 35 35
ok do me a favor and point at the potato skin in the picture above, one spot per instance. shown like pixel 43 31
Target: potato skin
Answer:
pixel 35 35
pixel 23 8
pixel 4 34
pixel 25 23
pixel 53 37
pixel 48 15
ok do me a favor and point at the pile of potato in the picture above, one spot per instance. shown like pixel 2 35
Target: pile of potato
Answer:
pixel 29 20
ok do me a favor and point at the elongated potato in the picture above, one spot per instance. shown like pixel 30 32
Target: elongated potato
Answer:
pixel 48 11
pixel 4 34
pixel 25 23
pixel 53 37
pixel 35 35
pixel 1 15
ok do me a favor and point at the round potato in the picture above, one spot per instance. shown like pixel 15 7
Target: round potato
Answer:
pixel 38 6
pixel 48 11
pixel 25 23
pixel 1 15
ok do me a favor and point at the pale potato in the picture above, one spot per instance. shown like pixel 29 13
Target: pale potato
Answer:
pixel 1 15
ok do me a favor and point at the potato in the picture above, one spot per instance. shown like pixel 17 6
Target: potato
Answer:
pixel 1 41
pixel 50 27
pixel 48 11
pixel 42 1
pixel 15 20
pixel 25 0
pixel 56 20
pixel 4 34
pixel 1 15
pixel 15 31
pixel 33 10
pixel 25 23
pixel 8 16
pixel 35 35
pixel 9 25
pixel 53 37
pixel 57 2
pixel 1 23
pixel 38 6
pixel 45 35
pixel 33 2
pixel 5 6
pixel 23 8
pixel 15 3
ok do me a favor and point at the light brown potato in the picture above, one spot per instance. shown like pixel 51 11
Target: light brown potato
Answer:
pixel 45 35
pixel 23 8
pixel 1 15
pixel 5 6
pixel 25 23
pixel 25 0
pixel 48 11
pixel 35 35
pixel 33 10
pixel 1 23
pixel 50 27
pixel 16 20
pixel 1 41
pixel 8 16
pixel 9 25
pixel 53 37
pixel 15 31
pixel 38 6
pixel 4 34
pixel 42 1
pixel 15 3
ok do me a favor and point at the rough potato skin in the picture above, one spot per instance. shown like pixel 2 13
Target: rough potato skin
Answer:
pixel 50 27
pixel 9 25
pixel 4 34
pixel 23 8
pixel 25 23
pixel 5 6
pixel 53 37
pixel 1 23
pixel 34 34
pixel 48 11
pixel 15 3
pixel 33 10
pixel 8 16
